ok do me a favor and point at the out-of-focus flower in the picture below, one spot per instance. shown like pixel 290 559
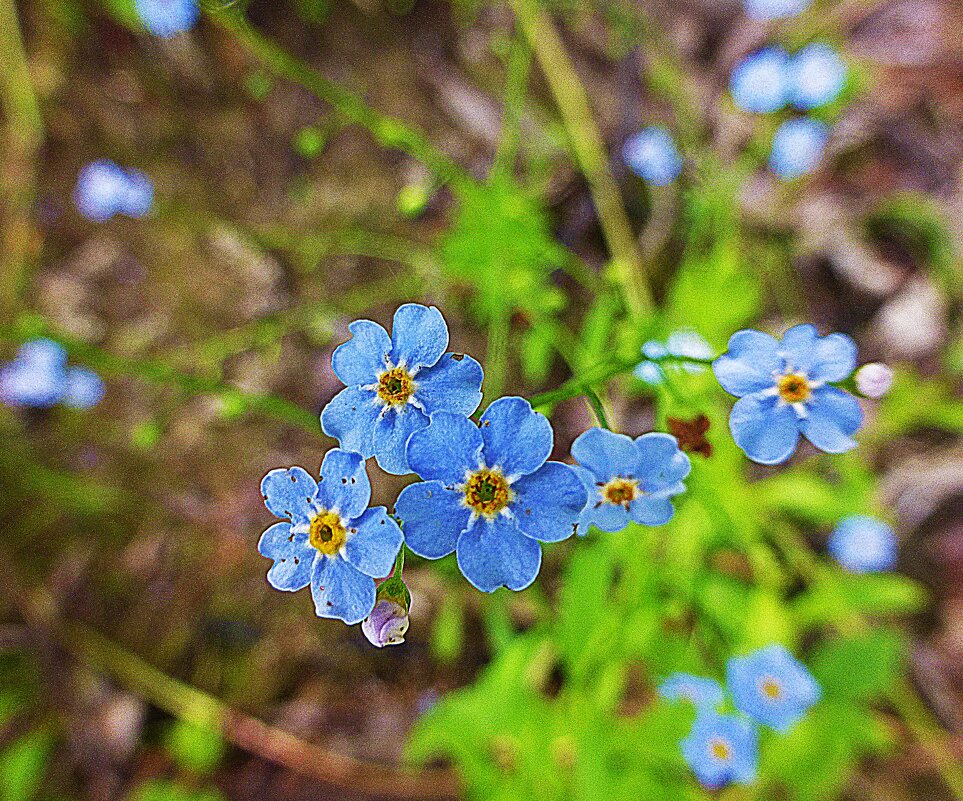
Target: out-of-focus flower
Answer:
pixel 775 9
pixel 759 83
pixel 683 344
pixel 649 372
pixel 104 189
pixel 874 380
pixel 722 749
pixel 771 686
pixel 863 544
pixel 167 18
pixel 652 155
pixel 797 147
pixel 83 389
pixel 39 377
pixel 816 76
pixel 705 694
pixel 785 389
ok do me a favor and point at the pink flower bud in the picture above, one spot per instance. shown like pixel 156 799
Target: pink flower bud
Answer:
pixel 386 625
pixel 874 380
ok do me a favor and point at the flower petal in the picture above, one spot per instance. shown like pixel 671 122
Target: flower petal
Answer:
pixel 277 541
pixel 661 463
pixel 607 517
pixel 548 502
pixel 493 554
pixel 606 454
pixel 84 388
pixel 344 485
pixel 651 510
pixel 447 449
pixel 833 417
pixel 391 434
pixel 835 358
pixel 350 418
pixel 767 432
pixel 341 591
pixel 418 336
pixel 453 385
pixel 290 493
pixel 361 358
pixel 293 557
pixel 432 517
pixel 747 366
pixel 374 542
pixel 517 439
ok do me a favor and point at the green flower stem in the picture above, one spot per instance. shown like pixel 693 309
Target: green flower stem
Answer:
pixel 399 563
pixel 589 151
pixel 496 354
pixel 577 385
pixel 516 84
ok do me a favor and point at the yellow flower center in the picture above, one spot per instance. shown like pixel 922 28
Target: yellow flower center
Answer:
pixel 793 388
pixel 327 533
pixel 720 749
pixel 771 689
pixel 487 492
pixel 395 386
pixel 621 491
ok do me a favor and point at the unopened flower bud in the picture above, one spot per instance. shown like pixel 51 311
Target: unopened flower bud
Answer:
pixel 874 380
pixel 386 625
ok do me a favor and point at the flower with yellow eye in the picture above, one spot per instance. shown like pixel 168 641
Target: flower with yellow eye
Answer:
pixel 722 749
pixel 771 686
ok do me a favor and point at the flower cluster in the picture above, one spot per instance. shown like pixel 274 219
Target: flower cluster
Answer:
pixel 768 687
pixel 104 189
pixel 39 377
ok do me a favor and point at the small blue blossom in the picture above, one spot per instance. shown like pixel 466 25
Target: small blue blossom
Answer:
pixel 652 155
pixel 775 9
pixel 722 749
pixel 705 694
pixel 785 389
pixel 816 76
pixel 489 494
pixel 759 83
pixel 797 147
pixel 771 686
pixel 167 18
pixel 329 538
pixel 395 383
pixel 684 344
pixel 863 544
pixel 628 479
pixel 39 377
pixel 104 189
pixel 649 372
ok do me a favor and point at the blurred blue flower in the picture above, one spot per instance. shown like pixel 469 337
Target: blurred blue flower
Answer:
pixel 797 147
pixel 816 76
pixel 684 343
pixel 722 749
pixel 649 372
pixel 395 383
pixel 167 18
pixel 759 83
pixel 863 544
pixel 39 377
pixel 329 539
pixel 83 389
pixel 784 390
pixel 628 479
pixel 489 494
pixel 705 694
pixel 775 9
pixel 104 189
pixel 771 686
pixel 652 155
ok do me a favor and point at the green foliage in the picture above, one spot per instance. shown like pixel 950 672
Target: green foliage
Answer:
pixel 22 765
pixel 194 748
pixel 161 790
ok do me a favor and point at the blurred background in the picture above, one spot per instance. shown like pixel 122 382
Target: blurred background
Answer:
pixel 317 161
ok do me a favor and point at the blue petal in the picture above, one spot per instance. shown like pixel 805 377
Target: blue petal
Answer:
pixel 418 336
pixel 374 542
pixel 517 439
pixel 43 353
pixel 293 557
pixel 548 502
pixel 364 356
pixel 453 385
pixel 651 510
pixel 24 384
pixel 747 366
pixel 661 463
pixel 84 388
pixel 833 416
pixel 290 493
pixel 829 358
pixel 391 434
pixel 605 517
pixel 606 454
pixel 433 518
pixel 344 485
pixel 767 432
pixel 496 554
pixel 341 591
pixel 350 418
pixel 278 541
pixel 447 449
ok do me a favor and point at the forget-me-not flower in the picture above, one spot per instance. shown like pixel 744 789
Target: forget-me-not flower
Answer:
pixel 775 9
pixel 628 479
pixel 489 494
pixel 330 539
pixel 722 749
pixel 771 686
pixel 39 377
pixel 104 189
pixel 705 694
pixel 759 82
pixel 816 76
pixel 863 544
pixel 652 155
pixel 785 389
pixel 395 383
pixel 797 147
pixel 167 18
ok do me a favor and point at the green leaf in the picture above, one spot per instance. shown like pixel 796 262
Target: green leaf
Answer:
pixel 860 667
pixel 194 748
pixel 22 766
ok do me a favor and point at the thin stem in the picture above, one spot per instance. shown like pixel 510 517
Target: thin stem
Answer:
pixel 496 355
pixel 399 563
pixel 578 384
pixel 516 83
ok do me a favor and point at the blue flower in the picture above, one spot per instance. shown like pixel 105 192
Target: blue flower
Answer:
pixel 771 686
pixel 784 390
pixel 329 539
pixel 628 479
pixel 722 749
pixel 489 494
pixel 395 383
pixel 816 76
pixel 104 189
pixel 704 693
pixel 652 155
pixel 797 147
pixel 759 82
pixel 684 343
pixel 775 9
pixel 39 377
pixel 167 18
pixel 863 544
